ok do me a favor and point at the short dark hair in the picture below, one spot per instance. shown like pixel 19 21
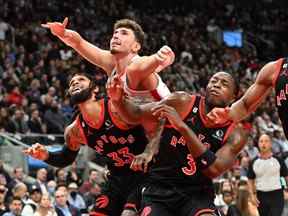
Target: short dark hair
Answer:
pixel 134 26
pixel 92 170
pixel 12 198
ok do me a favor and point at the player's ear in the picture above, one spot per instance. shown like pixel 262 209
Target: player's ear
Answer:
pixel 96 89
pixel 136 47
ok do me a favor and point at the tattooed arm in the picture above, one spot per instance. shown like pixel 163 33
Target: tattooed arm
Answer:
pixel 142 160
pixel 66 155
pixel 226 155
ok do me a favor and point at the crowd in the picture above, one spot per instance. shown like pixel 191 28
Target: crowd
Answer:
pixel 35 67
pixel 53 191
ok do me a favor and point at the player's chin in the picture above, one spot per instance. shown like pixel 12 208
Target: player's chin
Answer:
pixel 114 51
pixel 215 101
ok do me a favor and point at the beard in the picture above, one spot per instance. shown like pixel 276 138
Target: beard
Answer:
pixel 81 96
pixel 114 51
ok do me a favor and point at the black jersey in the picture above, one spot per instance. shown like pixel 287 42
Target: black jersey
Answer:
pixel 281 92
pixel 117 144
pixel 174 164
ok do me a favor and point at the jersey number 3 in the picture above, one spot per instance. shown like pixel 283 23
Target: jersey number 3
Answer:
pixel 191 168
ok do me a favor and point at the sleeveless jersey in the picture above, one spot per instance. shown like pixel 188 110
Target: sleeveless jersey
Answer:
pixel 281 92
pixel 144 96
pixel 116 145
pixel 174 164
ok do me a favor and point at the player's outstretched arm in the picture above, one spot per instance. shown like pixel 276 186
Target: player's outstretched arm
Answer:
pixel 252 98
pixel 92 53
pixel 255 94
pixel 144 66
pixel 63 157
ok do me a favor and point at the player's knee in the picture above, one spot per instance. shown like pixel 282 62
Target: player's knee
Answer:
pixel 129 213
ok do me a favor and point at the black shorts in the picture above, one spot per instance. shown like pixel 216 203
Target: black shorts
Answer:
pixel 170 201
pixel 117 193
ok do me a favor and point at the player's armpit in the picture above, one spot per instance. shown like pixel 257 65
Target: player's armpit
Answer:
pixel 226 155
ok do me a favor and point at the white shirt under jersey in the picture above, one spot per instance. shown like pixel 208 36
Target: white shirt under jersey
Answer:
pixel 145 96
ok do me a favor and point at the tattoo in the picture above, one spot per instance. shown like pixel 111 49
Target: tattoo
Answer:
pixel 73 138
pixel 237 140
pixel 154 138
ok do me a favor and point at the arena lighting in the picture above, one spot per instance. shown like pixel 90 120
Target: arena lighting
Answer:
pixel 233 38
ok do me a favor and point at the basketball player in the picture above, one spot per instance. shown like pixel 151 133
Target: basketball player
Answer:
pixel 190 154
pixel 138 73
pixel 99 126
pixel 274 75
pixel 141 82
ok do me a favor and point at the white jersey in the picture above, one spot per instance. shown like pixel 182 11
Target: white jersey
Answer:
pixel 145 96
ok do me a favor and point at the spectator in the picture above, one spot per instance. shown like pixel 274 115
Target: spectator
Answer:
pixel 3 192
pixel 15 97
pixel 62 207
pixel 41 180
pixel 18 124
pixel 243 205
pixel 18 177
pixel 20 191
pixel 93 179
pixel 45 207
pixel 251 150
pixel 75 198
pixel 35 123
pixel 15 207
pixel 33 202
pixel 54 119
pixel 61 176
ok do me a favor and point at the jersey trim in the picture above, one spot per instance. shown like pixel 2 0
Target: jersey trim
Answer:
pixel 279 63
pixel 78 124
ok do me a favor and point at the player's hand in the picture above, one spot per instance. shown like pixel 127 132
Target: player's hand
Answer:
pixel 140 162
pixel 166 57
pixel 37 151
pixel 169 113
pixel 218 116
pixel 69 37
pixel 114 88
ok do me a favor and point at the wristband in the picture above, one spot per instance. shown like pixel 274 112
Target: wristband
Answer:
pixel 205 160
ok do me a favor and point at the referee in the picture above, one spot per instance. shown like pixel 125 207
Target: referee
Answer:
pixel 264 176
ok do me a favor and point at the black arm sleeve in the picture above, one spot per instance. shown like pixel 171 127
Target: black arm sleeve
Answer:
pixel 62 158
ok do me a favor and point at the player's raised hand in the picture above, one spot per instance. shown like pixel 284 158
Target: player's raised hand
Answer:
pixel 167 112
pixel 37 151
pixel 166 57
pixel 218 116
pixel 69 37
pixel 114 87
pixel 57 28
